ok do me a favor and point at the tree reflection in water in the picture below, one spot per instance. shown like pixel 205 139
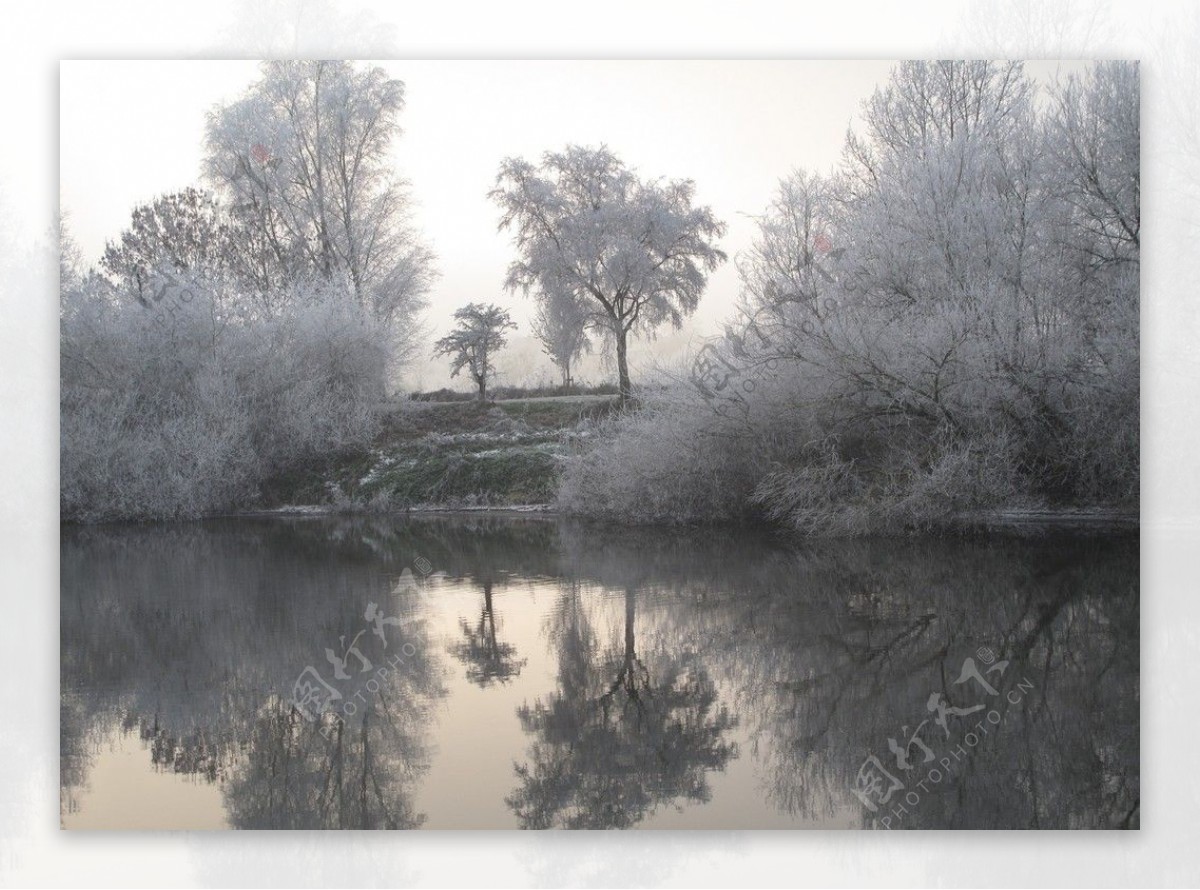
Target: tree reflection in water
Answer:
pixel 669 656
pixel 355 773
pixel 488 660
pixel 191 636
pixel 835 648
pixel 617 739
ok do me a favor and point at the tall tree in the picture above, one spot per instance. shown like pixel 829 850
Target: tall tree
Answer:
pixel 1094 139
pixel 474 342
pixel 637 250
pixel 303 159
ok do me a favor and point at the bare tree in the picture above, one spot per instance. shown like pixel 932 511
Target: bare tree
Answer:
pixel 473 344
pixel 930 104
pixel 637 250
pixel 1095 139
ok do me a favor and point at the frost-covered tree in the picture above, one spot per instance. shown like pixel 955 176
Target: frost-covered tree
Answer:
pixel 473 343
pixel 927 106
pixel 1094 140
pixel 561 326
pixel 793 259
pixel 187 406
pixel 948 322
pixel 638 251
pixel 303 161
pixel 237 334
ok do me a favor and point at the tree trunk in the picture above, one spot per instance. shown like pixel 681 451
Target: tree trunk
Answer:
pixel 623 365
pixel 489 618
pixel 482 381
pixel 630 612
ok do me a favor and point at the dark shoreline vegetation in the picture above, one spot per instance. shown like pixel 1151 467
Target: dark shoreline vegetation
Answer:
pixel 939 333
pixel 507 457
pixel 510 456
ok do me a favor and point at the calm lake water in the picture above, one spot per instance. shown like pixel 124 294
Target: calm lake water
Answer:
pixel 500 672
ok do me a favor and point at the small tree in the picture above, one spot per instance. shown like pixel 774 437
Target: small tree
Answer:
pixel 471 345
pixel 561 327
pixel 637 251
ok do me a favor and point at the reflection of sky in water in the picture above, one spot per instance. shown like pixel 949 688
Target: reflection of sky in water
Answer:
pixel 646 679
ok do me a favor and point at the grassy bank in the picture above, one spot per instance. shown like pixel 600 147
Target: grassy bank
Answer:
pixel 449 454
pixel 512 453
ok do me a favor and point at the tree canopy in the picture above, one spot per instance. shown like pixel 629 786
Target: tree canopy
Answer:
pixel 303 159
pixel 637 251
pixel 473 343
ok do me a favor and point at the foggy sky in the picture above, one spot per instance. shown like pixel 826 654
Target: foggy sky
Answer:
pixel 130 131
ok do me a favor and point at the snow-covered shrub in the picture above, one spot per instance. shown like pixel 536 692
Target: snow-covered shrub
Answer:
pixel 181 407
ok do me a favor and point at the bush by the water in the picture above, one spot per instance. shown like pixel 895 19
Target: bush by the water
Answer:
pixel 185 406
pixel 228 335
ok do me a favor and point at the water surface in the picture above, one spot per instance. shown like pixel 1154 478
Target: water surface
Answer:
pixel 504 672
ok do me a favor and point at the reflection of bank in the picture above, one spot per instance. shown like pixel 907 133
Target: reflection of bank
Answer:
pixel 358 772
pixel 186 638
pixel 875 785
pixel 617 738
pixel 953 764
pixel 826 647
pixel 314 696
pixel 1068 757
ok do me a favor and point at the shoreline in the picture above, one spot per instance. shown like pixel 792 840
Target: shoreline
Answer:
pixel 1008 519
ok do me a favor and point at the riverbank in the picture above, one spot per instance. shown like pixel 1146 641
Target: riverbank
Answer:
pixel 439 456
pixel 505 457
pixel 1018 522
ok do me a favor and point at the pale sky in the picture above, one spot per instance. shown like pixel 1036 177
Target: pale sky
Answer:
pixel 130 131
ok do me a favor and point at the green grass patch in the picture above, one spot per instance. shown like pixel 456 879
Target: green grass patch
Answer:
pixel 448 454
pixel 508 476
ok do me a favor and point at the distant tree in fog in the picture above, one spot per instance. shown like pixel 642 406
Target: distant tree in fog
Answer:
pixel 561 327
